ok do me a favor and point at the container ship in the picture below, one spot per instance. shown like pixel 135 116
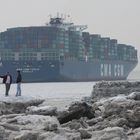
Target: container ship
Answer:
pixel 62 51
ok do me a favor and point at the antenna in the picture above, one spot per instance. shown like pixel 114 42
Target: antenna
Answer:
pixel 58 14
pixel 65 17
pixel 62 16
pixel 50 15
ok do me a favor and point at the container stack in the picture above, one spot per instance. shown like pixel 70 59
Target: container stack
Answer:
pixel 104 48
pixel 113 50
pixel 54 42
pixel 75 43
pixel 95 45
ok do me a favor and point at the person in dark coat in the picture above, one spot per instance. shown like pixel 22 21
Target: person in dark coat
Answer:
pixel 7 80
pixel 18 81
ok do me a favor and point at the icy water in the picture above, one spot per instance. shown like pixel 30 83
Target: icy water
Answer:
pixel 56 94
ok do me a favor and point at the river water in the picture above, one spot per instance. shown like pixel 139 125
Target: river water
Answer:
pixel 56 94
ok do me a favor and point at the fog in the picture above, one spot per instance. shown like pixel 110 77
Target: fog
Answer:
pixel 117 19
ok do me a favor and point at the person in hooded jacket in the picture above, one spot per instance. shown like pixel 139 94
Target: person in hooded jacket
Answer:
pixel 7 80
pixel 18 81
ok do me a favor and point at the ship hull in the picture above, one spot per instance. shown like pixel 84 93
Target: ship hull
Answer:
pixel 69 70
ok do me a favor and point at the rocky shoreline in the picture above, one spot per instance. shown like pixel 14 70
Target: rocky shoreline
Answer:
pixel 111 113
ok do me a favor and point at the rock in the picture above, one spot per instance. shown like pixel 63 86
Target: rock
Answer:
pixel 110 89
pixel 137 136
pixel 75 124
pixel 19 106
pixel 85 134
pixel 59 136
pixel 27 136
pixel 134 96
pixel 72 125
pixel 76 111
pixel 115 108
pixel 45 110
pixel 2 133
pixel 120 122
pixel 51 126
pixel 52 136
pixel 73 136
pixel 100 125
pixel 109 118
pixel 26 126
pixel 111 133
pixel 10 127
pixel 137 133
pixel 137 130
pixel 119 108
pixel 9 116
pixel 37 122
pixel 134 134
pixel 133 117
pixel 94 121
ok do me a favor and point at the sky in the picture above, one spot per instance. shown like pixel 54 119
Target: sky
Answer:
pixel 119 19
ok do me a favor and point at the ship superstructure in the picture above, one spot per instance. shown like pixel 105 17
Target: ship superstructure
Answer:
pixel 62 51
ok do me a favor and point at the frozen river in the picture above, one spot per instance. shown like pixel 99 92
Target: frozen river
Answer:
pixel 56 94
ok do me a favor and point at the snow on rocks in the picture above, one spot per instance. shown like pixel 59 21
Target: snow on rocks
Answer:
pixel 36 122
pixel 110 133
pixel 110 89
pixel 76 111
pixel 29 126
pixel 27 136
pixel 43 110
pixel 2 133
pixel 9 105
pixel 111 113
pixel 134 95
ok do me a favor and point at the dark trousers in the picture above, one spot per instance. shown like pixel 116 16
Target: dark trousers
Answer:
pixel 7 86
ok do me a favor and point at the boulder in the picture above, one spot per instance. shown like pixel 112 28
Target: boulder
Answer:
pixel 44 110
pixel 76 111
pixel 38 122
pixel 110 133
pixel 59 136
pixel 10 126
pixel 93 121
pixel 73 136
pixel 2 133
pixel 52 136
pixel 134 96
pixel 106 89
pixel 85 134
pixel 75 124
pixel 29 135
pixel 133 117
pixel 17 106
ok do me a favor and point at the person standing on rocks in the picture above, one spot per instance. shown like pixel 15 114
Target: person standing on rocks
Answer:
pixel 18 81
pixel 7 80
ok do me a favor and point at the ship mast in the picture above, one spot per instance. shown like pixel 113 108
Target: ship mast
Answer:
pixel 59 22
pixel 78 27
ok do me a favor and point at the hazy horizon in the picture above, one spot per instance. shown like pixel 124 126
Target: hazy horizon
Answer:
pixel 118 19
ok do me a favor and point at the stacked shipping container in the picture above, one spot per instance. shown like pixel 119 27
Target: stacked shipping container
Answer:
pixel 59 42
